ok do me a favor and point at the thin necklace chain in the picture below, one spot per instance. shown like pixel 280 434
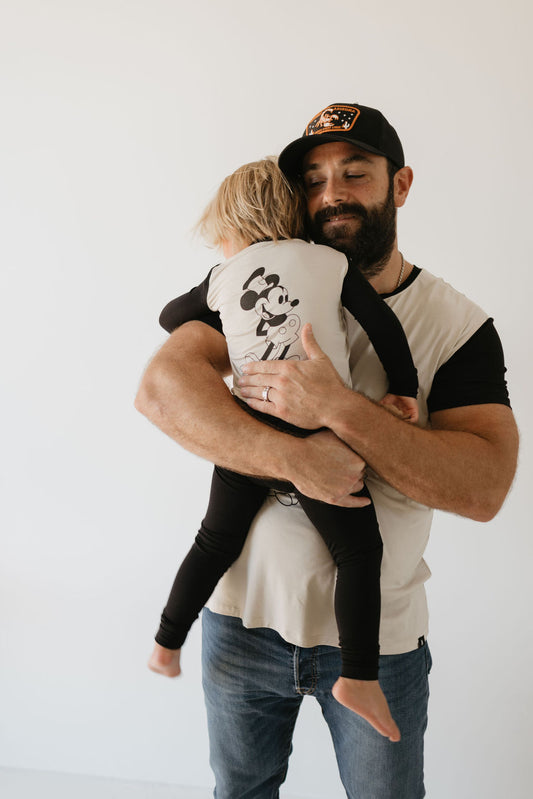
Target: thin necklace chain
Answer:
pixel 400 278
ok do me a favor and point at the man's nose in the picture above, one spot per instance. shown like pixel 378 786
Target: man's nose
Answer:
pixel 335 192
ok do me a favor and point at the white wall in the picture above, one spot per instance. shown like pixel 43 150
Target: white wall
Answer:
pixel 119 118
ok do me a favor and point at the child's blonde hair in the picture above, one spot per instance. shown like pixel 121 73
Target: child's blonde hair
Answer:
pixel 255 203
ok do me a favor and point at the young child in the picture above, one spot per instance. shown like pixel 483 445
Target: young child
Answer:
pixel 271 283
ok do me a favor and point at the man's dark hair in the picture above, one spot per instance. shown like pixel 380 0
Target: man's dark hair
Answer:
pixel 392 168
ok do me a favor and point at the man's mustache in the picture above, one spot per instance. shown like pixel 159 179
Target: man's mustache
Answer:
pixel 353 209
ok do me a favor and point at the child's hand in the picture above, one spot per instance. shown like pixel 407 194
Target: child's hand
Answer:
pixel 405 408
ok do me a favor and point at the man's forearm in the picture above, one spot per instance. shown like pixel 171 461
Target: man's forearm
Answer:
pixel 183 394
pixel 464 463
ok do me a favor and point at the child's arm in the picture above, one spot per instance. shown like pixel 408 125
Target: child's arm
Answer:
pixel 384 331
pixel 190 307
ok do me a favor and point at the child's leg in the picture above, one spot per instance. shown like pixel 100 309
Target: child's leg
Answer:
pixel 233 504
pixel 353 539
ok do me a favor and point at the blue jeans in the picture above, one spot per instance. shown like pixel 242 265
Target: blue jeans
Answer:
pixel 254 683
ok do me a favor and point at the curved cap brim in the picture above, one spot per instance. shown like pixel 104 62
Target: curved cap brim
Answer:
pixel 290 159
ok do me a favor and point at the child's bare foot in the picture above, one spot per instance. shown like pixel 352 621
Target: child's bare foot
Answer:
pixel 366 698
pixel 165 661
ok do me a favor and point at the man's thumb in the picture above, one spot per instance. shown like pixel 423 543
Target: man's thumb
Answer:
pixel 312 350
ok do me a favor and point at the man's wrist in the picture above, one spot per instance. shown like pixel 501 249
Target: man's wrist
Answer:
pixel 288 457
pixel 340 408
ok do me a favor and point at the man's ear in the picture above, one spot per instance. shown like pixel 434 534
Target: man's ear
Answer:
pixel 402 183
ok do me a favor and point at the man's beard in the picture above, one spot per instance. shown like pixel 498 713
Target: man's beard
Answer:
pixel 370 246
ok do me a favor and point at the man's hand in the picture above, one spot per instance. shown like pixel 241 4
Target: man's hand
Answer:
pixel 299 391
pixel 326 469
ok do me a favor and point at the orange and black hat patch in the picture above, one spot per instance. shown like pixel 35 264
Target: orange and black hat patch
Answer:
pixel 333 119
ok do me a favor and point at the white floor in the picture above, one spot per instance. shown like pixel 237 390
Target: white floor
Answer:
pixel 25 784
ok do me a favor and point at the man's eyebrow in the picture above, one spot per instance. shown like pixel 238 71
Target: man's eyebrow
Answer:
pixel 356 157
pixel 350 159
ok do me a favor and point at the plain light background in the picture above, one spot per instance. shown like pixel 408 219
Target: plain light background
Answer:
pixel 118 121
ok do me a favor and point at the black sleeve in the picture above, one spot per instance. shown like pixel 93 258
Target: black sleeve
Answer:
pixel 190 307
pixel 384 330
pixel 474 375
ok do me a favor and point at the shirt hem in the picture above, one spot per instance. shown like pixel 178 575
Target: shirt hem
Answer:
pixel 399 647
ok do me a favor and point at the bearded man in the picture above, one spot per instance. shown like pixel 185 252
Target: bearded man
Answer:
pixel 270 635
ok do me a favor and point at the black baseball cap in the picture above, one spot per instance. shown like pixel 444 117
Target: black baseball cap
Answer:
pixel 356 124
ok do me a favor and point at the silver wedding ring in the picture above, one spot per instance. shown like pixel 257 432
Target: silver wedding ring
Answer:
pixel 264 395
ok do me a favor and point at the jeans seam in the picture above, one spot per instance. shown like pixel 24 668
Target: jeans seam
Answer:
pixel 296 671
pixel 314 671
